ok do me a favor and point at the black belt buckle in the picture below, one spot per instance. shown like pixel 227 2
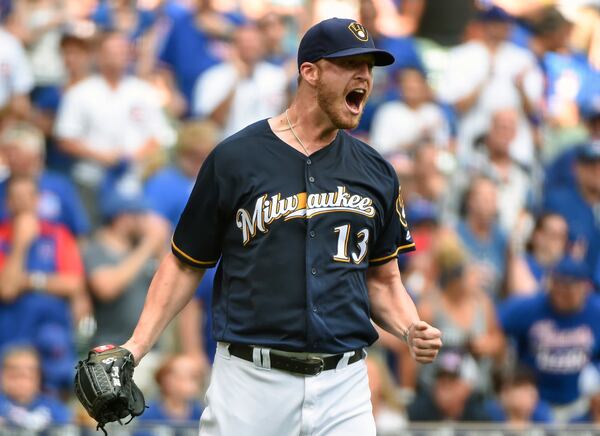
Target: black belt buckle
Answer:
pixel 319 365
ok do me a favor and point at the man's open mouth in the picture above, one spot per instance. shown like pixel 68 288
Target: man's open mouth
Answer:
pixel 355 98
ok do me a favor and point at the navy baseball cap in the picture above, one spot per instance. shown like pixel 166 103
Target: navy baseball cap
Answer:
pixel 118 203
pixel 337 38
pixel 571 269
pixel 589 152
pixel 495 14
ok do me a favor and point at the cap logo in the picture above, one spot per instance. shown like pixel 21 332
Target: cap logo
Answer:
pixel 359 31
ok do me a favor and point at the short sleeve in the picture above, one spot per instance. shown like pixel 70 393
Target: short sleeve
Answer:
pixel 198 234
pixel 70 122
pixel 22 77
pixel 395 237
pixel 513 316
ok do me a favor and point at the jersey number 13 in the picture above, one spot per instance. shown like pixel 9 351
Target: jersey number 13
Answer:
pixel 362 238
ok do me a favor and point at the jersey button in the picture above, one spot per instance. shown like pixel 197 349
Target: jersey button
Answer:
pixel 312 234
pixel 315 309
pixel 313 271
pixel 311 179
pixel 308 162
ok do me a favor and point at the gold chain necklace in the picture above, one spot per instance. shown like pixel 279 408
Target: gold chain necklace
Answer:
pixel 294 133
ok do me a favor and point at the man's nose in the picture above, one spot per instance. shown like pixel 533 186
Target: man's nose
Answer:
pixel 364 71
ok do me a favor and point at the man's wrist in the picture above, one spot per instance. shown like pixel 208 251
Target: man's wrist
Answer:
pixel 406 332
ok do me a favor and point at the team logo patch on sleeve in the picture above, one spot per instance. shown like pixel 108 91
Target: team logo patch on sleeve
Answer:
pixel 359 31
pixel 400 209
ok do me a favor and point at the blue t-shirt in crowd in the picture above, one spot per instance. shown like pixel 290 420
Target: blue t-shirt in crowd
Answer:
pixel 555 346
pixel 583 219
pixel 187 50
pixel 167 191
pixel 156 413
pixel 542 414
pixel 38 415
pixel 490 253
pixel 565 74
pixel 59 203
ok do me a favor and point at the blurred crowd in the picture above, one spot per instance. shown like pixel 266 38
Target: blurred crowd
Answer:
pixel 490 116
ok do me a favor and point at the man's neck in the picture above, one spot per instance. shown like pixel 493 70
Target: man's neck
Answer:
pixel 176 407
pixel 480 228
pixel 112 78
pixel 312 126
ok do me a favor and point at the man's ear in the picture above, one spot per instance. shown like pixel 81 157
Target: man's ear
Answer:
pixel 310 73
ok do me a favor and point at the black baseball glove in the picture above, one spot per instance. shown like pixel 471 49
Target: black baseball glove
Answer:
pixel 104 385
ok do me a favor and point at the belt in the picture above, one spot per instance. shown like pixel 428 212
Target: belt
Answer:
pixel 310 366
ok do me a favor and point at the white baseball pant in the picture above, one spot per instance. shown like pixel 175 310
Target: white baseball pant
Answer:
pixel 245 399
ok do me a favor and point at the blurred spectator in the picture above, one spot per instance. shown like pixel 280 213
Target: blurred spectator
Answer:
pixel 193 31
pixel 479 231
pixel 428 178
pixel 561 170
pixel 42 21
pixel 488 74
pixel 132 18
pixel 373 13
pixel 387 409
pixel 120 262
pixel 244 89
pixel 110 118
pixel 273 29
pixel 492 159
pixel 450 398
pixel 528 273
pixel 16 77
pixel 464 313
pixel 519 403
pixel 180 381
pixel 439 27
pixel 418 274
pixel 23 148
pixel 579 205
pixel 75 52
pixel 401 125
pixel 556 334
pixel 167 190
pixel 40 276
pixel 443 23
pixel 22 404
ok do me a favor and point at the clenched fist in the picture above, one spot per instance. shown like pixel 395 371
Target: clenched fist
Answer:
pixel 424 342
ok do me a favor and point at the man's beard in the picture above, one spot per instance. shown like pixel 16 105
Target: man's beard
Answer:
pixel 326 98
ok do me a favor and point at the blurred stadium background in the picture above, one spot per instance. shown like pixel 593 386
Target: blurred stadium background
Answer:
pixel 490 115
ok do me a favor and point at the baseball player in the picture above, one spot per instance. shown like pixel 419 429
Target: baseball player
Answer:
pixel 307 222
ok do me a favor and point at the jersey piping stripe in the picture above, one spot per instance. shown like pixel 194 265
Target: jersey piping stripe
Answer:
pixel 394 254
pixel 190 258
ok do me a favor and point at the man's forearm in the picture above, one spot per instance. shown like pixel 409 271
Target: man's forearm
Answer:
pixel 391 307
pixel 171 289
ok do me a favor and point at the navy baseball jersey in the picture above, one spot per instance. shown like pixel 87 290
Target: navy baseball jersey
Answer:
pixel 295 235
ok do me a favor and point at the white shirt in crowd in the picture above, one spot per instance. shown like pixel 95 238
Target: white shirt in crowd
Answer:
pixel 16 77
pixel 396 126
pixel 470 65
pixel 120 119
pixel 261 95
